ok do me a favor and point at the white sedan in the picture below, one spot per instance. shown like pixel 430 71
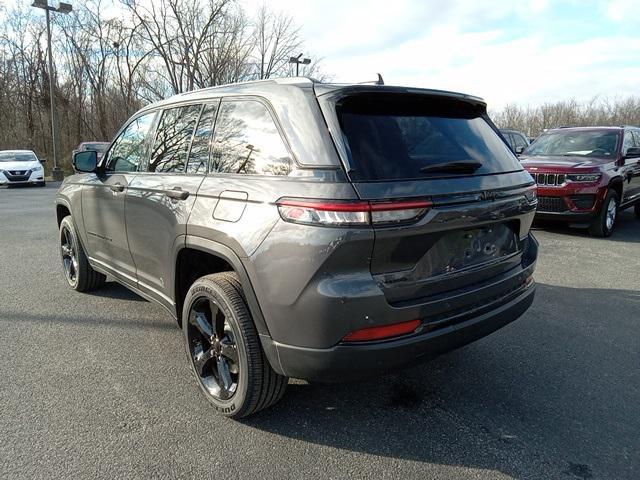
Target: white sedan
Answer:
pixel 20 167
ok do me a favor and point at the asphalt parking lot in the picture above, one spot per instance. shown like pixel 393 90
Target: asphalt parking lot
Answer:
pixel 96 385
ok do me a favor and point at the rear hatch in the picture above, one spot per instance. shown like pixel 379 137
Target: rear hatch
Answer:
pixel 403 144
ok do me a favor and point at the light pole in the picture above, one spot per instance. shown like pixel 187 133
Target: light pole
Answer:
pixel 56 172
pixel 299 60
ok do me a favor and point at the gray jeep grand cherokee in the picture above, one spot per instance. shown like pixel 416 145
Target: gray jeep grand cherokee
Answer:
pixel 308 230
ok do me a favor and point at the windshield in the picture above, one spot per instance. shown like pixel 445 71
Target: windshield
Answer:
pixel 591 143
pixel 399 136
pixel 17 157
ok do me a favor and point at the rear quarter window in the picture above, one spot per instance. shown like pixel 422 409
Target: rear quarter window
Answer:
pixel 393 136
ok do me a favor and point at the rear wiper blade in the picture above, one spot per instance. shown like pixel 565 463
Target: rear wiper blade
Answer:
pixel 452 167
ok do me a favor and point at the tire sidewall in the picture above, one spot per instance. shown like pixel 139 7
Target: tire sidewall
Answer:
pixel 67 223
pixel 202 288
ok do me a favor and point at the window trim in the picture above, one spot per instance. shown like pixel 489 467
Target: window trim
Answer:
pixel 231 98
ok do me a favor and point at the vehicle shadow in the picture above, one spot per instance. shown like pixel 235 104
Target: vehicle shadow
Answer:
pixel 116 291
pixel 83 321
pixel 536 395
pixel 627 229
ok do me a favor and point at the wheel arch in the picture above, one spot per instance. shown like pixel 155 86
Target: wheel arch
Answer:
pixel 62 210
pixel 617 185
pixel 215 258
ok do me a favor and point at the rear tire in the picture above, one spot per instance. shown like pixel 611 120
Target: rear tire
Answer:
pixel 77 271
pixel 605 221
pixel 224 350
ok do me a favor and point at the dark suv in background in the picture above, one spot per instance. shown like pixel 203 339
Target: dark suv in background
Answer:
pixel 585 175
pixel 298 229
pixel 517 140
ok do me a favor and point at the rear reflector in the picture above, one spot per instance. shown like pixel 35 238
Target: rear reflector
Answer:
pixel 346 213
pixel 379 333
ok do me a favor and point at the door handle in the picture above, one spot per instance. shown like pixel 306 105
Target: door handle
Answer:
pixel 177 193
pixel 117 187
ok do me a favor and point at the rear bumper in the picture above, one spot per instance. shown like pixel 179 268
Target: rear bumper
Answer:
pixel 348 362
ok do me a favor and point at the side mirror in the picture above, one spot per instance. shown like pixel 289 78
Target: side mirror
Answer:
pixel 86 161
pixel 519 150
pixel 42 160
pixel 633 152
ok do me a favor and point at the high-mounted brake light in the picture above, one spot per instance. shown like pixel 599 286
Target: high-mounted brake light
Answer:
pixel 349 213
pixel 380 333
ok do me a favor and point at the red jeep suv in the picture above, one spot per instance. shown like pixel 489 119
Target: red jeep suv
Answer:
pixel 585 175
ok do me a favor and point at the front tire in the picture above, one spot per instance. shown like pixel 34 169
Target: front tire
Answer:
pixel 605 221
pixel 223 348
pixel 77 271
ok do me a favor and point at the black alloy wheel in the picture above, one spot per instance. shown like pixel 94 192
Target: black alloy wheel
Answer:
pixel 213 349
pixel 224 350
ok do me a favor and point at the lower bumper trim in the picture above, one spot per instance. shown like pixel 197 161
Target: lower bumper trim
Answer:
pixel 566 216
pixel 356 362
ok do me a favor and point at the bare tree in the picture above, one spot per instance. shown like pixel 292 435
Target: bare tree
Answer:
pixel 276 37
pixel 597 111
pixel 106 68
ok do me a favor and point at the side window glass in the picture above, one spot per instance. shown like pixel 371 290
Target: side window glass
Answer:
pixel 636 137
pixel 202 139
pixel 628 142
pixel 509 138
pixel 128 151
pixel 247 141
pixel 519 140
pixel 173 137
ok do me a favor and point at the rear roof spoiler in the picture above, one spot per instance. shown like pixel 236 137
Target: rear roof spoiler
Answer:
pixel 338 90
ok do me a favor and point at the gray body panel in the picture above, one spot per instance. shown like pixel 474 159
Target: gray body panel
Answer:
pixel 155 223
pixel 306 286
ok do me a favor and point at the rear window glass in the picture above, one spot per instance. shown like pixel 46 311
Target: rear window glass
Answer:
pixel 394 137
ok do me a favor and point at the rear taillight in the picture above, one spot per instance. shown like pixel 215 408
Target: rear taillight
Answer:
pixel 351 213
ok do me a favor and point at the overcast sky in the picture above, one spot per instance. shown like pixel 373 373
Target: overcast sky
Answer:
pixel 525 51
pixel 529 51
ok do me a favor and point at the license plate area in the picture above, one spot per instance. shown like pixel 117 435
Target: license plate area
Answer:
pixel 454 262
pixel 460 250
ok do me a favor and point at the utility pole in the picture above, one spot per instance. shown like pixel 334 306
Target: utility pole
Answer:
pixel 299 60
pixel 56 172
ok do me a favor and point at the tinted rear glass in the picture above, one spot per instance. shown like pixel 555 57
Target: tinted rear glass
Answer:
pixel 394 136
